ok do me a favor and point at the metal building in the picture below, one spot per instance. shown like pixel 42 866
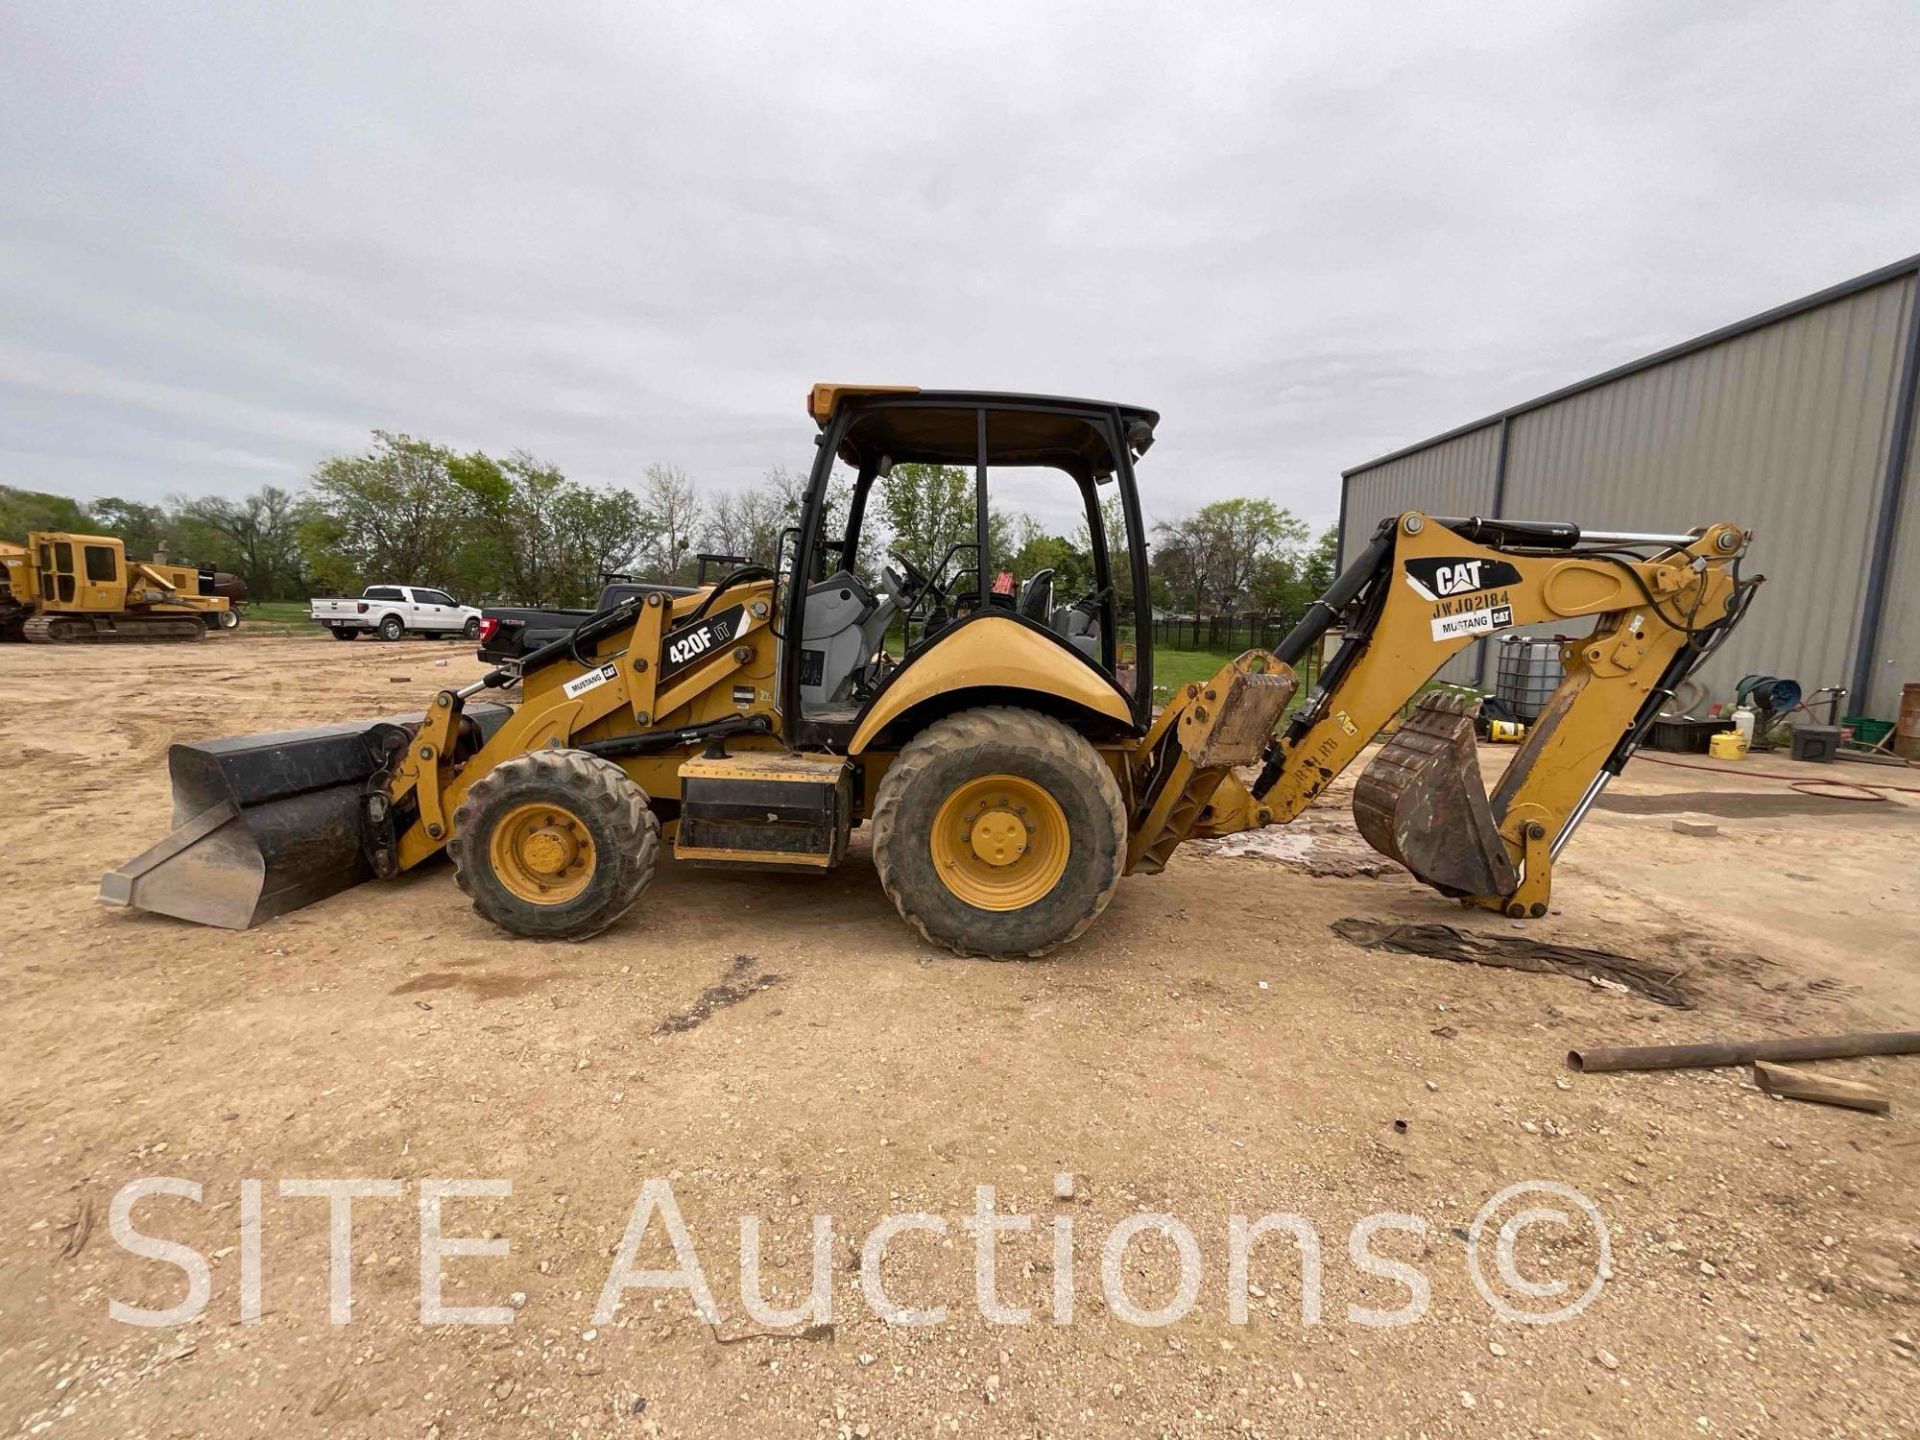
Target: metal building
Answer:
pixel 1798 423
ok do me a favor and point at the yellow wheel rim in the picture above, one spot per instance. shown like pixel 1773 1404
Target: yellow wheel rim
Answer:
pixel 1000 842
pixel 542 854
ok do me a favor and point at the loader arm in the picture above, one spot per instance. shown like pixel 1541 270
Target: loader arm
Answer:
pixel 619 671
pixel 1422 592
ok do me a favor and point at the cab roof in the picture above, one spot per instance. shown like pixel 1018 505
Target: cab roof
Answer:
pixel 907 424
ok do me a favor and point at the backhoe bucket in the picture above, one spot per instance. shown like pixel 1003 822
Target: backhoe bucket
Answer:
pixel 264 824
pixel 1422 803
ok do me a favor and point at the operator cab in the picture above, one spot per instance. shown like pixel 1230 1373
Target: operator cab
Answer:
pixel 976 459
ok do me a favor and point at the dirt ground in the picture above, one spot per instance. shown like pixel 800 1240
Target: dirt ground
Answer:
pixel 781 1047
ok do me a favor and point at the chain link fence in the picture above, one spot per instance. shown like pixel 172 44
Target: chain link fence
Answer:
pixel 1224 634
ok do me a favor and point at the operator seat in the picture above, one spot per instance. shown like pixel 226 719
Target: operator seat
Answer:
pixel 845 624
pixel 1036 597
pixel 1078 629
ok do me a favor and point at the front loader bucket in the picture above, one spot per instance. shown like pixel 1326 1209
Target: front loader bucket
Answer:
pixel 1421 802
pixel 264 824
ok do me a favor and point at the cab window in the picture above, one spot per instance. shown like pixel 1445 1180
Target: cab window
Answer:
pixel 101 569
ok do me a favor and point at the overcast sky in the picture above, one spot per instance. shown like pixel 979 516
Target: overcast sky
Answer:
pixel 236 238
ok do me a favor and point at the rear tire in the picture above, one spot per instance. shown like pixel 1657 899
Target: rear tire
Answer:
pixel 392 628
pixel 554 844
pixel 344 634
pixel 948 835
pixel 229 619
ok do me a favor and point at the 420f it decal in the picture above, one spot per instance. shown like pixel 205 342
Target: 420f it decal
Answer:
pixel 695 642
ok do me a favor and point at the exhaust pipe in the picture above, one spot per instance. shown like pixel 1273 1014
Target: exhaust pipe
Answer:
pixel 265 824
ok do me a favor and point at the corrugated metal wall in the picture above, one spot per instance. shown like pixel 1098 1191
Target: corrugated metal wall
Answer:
pixel 1454 477
pixel 1783 427
pixel 1783 430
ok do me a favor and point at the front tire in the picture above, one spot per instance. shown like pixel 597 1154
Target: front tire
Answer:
pixel 999 832
pixel 471 630
pixel 392 628
pixel 554 844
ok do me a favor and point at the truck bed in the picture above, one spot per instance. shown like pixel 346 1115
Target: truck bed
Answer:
pixel 511 631
pixel 519 630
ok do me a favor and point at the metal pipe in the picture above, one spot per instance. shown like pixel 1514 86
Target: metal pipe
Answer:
pixel 1717 1053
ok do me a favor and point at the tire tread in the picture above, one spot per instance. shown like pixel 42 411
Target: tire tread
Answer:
pixel 1003 728
pixel 593 786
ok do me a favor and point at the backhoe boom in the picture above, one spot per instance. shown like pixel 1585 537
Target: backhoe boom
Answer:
pixel 1423 591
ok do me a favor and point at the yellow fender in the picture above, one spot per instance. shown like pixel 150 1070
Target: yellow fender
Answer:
pixel 993 652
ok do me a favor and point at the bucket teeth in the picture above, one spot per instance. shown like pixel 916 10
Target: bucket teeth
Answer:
pixel 1422 803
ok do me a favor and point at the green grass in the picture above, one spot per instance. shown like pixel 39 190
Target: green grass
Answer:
pixel 283 619
pixel 278 612
pixel 1174 668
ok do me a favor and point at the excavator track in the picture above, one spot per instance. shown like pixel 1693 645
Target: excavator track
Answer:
pixel 88 629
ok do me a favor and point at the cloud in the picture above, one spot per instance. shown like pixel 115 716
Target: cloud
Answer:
pixel 236 241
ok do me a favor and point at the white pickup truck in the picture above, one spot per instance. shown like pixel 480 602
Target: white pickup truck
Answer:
pixel 391 611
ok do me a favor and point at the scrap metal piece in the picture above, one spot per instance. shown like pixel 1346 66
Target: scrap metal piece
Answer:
pixel 1421 802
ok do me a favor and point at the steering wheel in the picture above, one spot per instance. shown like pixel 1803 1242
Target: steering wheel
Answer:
pixel 1093 599
pixel 918 582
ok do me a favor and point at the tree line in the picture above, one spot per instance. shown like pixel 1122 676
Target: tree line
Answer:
pixel 517 530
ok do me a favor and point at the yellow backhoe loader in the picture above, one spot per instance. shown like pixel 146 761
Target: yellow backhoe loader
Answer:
pixel 1007 776
pixel 59 588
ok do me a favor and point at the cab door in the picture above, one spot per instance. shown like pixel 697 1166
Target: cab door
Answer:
pixel 104 583
pixel 60 587
pixel 436 610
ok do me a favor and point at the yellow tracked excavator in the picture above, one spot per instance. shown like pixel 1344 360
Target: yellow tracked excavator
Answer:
pixel 1007 771
pixel 60 588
